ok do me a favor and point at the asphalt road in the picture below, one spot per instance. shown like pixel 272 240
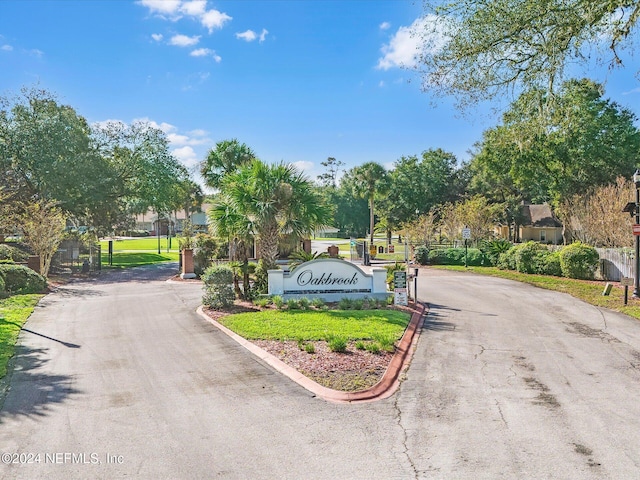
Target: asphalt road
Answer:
pixel 119 378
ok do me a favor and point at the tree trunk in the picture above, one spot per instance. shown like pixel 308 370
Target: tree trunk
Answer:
pixel 371 218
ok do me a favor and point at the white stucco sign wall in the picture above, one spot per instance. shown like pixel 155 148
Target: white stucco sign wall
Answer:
pixel 330 279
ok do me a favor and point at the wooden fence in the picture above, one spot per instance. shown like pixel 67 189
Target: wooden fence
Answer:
pixel 616 263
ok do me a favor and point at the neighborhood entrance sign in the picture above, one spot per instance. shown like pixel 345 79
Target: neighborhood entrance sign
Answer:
pixel 329 279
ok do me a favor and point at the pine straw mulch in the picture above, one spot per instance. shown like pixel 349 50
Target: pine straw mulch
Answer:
pixel 350 371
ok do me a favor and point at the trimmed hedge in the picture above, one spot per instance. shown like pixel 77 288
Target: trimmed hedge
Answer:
pixel 455 256
pixel 217 285
pixel 579 261
pixel 8 252
pixel 573 261
pixel 422 255
pixel 19 279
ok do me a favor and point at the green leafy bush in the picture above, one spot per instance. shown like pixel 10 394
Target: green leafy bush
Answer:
pixel 2 287
pixel 345 303
pixel 507 260
pixel 205 248
pixel 579 261
pixel 530 257
pixel 318 303
pixel 19 279
pixel 310 348
pixel 337 343
pixel 456 256
pixel 422 255
pixel 7 252
pixel 494 248
pixel 304 303
pixel 552 265
pixel 261 283
pixel 293 304
pixel 218 287
pixel 278 301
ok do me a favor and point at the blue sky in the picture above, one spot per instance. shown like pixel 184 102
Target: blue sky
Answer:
pixel 298 81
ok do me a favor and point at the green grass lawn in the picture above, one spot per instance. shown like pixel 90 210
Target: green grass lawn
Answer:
pixel 301 325
pixel 14 311
pixel 139 251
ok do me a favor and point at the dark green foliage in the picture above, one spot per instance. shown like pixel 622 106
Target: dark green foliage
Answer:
pixel 579 261
pixel 2 286
pixel 19 279
pixel 507 260
pixel 422 255
pixel 552 265
pixel 8 252
pixel 456 256
pixel 261 284
pixel 530 257
pixel 204 252
pixel 218 287
pixel 494 248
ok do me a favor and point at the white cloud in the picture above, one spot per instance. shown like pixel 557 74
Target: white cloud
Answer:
pixel 179 140
pixel 385 26
pixel 632 91
pixel 250 35
pixel 168 7
pixel 194 8
pixel 408 42
pixel 157 36
pixel 186 155
pixel 165 127
pixel 184 40
pixel 206 52
pixel 36 53
pixel 198 133
pixel 213 19
pixel 6 48
pixel 303 165
pixel 381 83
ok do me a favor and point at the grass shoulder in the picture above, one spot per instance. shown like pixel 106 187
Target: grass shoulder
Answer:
pixel 589 291
pixel 14 311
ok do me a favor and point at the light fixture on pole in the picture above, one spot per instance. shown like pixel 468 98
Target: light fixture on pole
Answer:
pixel 636 283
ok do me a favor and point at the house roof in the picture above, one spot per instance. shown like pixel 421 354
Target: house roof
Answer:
pixel 539 216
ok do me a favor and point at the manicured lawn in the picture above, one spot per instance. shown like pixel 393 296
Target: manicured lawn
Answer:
pixel 14 311
pixel 139 251
pixel 318 325
pixel 589 291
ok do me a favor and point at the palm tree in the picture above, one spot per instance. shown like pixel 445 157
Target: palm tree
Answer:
pixel 226 157
pixel 371 180
pixel 267 201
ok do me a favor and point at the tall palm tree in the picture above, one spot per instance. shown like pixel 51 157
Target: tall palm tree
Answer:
pixel 267 201
pixel 371 180
pixel 226 157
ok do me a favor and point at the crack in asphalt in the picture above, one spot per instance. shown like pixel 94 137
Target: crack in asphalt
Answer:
pixel 404 437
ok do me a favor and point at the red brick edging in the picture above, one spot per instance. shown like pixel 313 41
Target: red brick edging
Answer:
pixel 383 389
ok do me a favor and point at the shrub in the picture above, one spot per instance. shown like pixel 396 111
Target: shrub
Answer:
pixel 337 343
pixel 579 261
pixel 530 257
pixel 386 343
pixel 304 303
pixel 372 347
pixel 19 279
pixel 310 348
pixel 456 256
pixel 507 260
pixel 358 304
pixel 2 287
pixel 205 247
pixel 261 283
pixel 317 302
pixel 262 302
pixel 422 255
pixel 278 301
pixel 7 252
pixel 293 304
pixel 218 287
pixel 494 248
pixel 345 304
pixel 552 265
pixel 360 345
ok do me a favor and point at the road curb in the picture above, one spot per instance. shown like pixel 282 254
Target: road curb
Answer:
pixel 383 389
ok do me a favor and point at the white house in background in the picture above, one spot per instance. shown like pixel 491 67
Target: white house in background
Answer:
pixel 149 221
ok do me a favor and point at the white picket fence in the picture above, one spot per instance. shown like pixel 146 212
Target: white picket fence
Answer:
pixel 615 263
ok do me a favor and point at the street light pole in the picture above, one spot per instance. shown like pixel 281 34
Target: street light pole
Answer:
pixel 636 283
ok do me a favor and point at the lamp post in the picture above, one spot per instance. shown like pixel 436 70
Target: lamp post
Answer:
pixel 636 283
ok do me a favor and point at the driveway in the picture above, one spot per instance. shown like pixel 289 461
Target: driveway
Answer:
pixel 119 377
